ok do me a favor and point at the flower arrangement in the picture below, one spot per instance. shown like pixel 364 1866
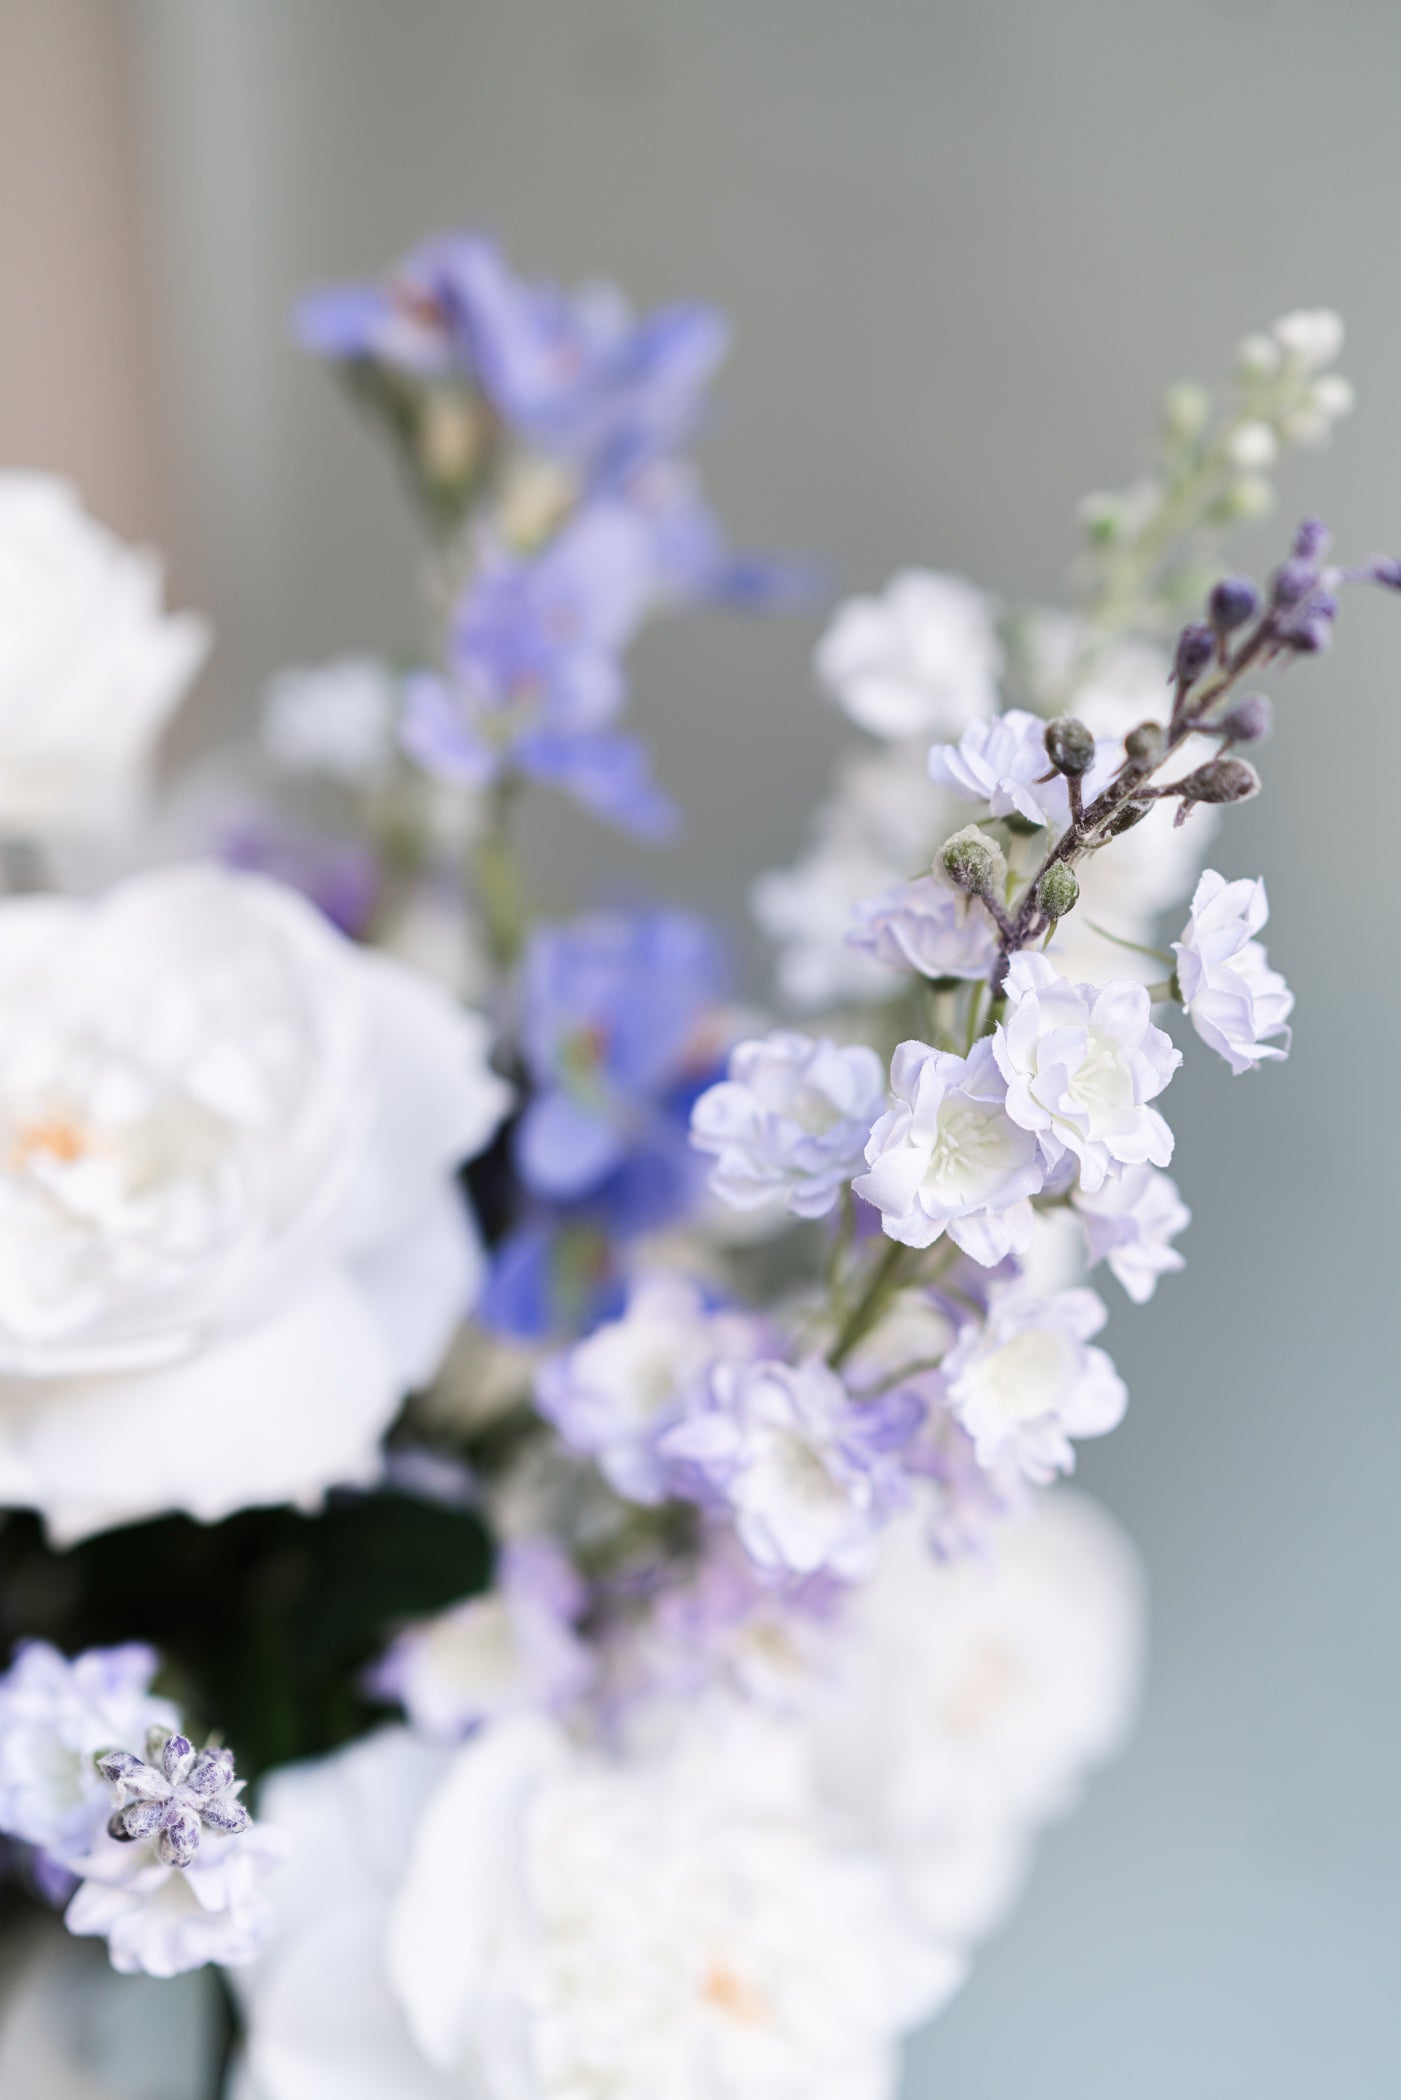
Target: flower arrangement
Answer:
pixel 586 1452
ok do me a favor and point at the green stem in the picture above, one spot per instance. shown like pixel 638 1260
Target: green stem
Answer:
pixel 885 1279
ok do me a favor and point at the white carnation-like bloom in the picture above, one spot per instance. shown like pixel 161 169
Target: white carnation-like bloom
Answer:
pixel 1023 1382
pixel 790 1122
pixel 55 1716
pixel 780 1443
pixel 947 1157
pixel 920 660
pixel 1131 1222
pixel 230 1236
pixel 879 827
pixel 1082 1066
pixel 335 719
pixel 161 1920
pixel 966 1701
pixel 615 1393
pixel 1002 762
pixel 551 1923
pixel 91 666
pixel 929 926
pixel 1237 1003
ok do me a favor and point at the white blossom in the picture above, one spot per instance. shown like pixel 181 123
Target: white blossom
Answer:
pixel 55 1716
pixel 921 659
pixel 1081 1066
pixel 947 1157
pixel 615 1393
pixel 780 1443
pixel 335 719
pixel 1131 1221
pixel 1002 763
pixel 1023 1382
pixel 230 1237
pixel 91 667
pixel 790 1122
pixel 1237 1003
pixel 929 926
pixel 162 1919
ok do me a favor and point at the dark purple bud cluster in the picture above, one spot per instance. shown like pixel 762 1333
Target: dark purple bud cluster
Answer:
pixel 1196 650
pixel 171 1794
pixel 1234 601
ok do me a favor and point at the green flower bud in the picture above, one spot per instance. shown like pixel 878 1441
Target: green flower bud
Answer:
pixel 1069 746
pixel 1145 747
pixel 973 862
pixel 1220 780
pixel 1058 891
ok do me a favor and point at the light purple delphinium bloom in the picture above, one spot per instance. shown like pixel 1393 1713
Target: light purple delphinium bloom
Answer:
pixel 809 1475
pixel 614 1394
pixel 790 1122
pixel 1023 1382
pixel 1082 1065
pixel 56 1715
pixel 514 1650
pixel 929 926
pixel 1237 1003
pixel 536 679
pixel 1001 762
pixel 1130 1222
pixel 947 1157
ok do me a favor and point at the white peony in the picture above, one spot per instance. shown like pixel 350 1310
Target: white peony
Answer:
pixel 1237 1003
pixel 554 1923
pixel 920 660
pixel 230 1236
pixel 91 667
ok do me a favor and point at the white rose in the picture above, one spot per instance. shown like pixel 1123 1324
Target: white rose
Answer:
pixel 230 1238
pixel 91 668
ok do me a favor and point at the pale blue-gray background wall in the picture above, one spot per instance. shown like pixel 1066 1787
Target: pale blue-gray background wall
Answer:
pixel 965 245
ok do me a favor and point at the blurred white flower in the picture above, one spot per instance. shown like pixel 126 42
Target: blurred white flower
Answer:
pixel 335 719
pixel 922 659
pixel 162 1919
pixel 1023 1382
pixel 929 926
pixel 553 1922
pixel 969 1699
pixel 91 667
pixel 230 1236
pixel 55 1716
pixel 1131 1222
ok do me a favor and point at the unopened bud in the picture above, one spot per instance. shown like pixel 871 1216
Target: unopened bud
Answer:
pixel 1124 819
pixel 1195 648
pixel 1384 569
pixel 1220 780
pixel 1186 410
pixel 973 862
pixel 1292 581
pixel 1058 891
pixel 1311 629
pixel 1234 601
pixel 1145 747
pixel 1070 746
pixel 1251 718
pixel 1312 540
pixel 1252 445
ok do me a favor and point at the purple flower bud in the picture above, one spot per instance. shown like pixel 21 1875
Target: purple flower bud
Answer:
pixel 179 1840
pixel 1291 582
pixel 211 1772
pixel 124 1769
pixel 176 1757
pixel 116 1827
pixel 1195 648
pixel 1251 718
pixel 226 1814
pixel 1384 569
pixel 1234 601
pixel 143 1819
pixel 1312 540
pixel 1311 630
